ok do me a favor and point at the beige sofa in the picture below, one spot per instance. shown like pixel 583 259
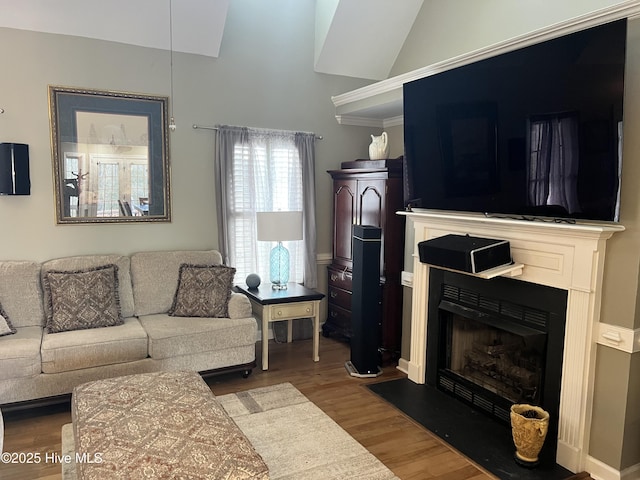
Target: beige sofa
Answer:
pixel 36 364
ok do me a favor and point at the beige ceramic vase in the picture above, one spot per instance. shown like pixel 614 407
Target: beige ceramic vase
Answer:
pixel 529 426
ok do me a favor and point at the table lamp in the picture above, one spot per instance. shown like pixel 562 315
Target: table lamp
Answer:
pixel 279 227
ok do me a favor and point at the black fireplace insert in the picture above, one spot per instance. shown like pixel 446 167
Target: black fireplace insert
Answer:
pixel 493 343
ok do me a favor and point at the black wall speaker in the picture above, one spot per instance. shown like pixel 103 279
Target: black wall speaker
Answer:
pixel 366 299
pixel 14 169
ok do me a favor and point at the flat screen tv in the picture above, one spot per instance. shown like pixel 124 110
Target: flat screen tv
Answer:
pixel 535 132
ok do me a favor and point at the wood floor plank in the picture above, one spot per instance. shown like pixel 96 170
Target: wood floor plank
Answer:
pixel 404 446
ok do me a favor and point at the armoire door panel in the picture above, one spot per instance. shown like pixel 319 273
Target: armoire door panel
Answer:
pixel 371 202
pixel 344 202
pixel 371 208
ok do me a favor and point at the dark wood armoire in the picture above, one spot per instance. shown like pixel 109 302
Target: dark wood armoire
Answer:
pixel 367 192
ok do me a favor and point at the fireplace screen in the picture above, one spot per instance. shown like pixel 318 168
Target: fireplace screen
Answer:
pixel 507 364
pixel 492 352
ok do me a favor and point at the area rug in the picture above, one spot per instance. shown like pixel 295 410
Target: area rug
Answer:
pixel 296 439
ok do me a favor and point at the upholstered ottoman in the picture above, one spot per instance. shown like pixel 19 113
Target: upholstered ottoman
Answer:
pixel 158 426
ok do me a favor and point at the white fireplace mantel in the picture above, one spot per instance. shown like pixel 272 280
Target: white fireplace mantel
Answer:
pixel 561 255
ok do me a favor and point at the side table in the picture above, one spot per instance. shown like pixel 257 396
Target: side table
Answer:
pixel 276 305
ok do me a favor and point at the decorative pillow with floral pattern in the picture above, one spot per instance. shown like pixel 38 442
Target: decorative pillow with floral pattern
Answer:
pixel 83 299
pixel 203 291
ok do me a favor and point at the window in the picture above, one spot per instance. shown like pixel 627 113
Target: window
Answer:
pixel 117 178
pixel 264 170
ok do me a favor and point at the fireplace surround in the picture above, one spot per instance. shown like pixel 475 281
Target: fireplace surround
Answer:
pixel 569 257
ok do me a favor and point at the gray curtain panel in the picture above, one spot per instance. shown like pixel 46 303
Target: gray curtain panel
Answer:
pixel 227 139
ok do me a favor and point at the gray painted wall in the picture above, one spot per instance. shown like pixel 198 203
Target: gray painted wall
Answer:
pixel 263 78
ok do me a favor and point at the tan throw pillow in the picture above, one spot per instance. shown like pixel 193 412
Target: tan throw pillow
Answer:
pixel 83 299
pixel 203 291
pixel 5 324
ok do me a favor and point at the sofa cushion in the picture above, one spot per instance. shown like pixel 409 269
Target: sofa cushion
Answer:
pixel 85 262
pixel 82 299
pixel 6 327
pixel 173 336
pixel 203 291
pixel 21 293
pixel 155 276
pixel 20 353
pixel 95 347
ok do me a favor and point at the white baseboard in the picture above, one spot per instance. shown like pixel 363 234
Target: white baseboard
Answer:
pixel 403 366
pixel 601 471
pixel 631 473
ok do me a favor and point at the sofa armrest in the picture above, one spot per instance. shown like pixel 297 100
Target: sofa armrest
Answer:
pixel 239 306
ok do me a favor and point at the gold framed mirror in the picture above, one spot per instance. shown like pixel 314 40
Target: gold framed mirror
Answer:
pixel 110 156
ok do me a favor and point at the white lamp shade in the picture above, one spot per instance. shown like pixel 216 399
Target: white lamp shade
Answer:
pixel 279 226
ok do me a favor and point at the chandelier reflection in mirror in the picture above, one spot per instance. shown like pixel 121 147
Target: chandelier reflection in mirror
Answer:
pixel 110 153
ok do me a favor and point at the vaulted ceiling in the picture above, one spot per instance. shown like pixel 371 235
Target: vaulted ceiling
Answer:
pixel 357 38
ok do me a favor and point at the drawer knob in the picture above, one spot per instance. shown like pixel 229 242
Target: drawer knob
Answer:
pixel 279 313
pixel 334 314
pixel 308 310
pixel 334 277
pixel 333 294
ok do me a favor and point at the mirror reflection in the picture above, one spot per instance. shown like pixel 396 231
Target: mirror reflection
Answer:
pixel 109 156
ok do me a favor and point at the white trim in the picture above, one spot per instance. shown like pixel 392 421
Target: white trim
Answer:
pixel 359 121
pixel 631 472
pixel 324 258
pixel 620 338
pixel 406 279
pixel 403 366
pixel 363 121
pixel 396 121
pixel 601 471
pixel 628 9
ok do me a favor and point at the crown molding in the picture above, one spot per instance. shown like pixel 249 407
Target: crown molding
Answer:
pixel 393 121
pixel 360 121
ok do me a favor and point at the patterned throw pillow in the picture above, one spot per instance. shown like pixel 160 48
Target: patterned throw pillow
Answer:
pixel 83 299
pixel 203 291
pixel 5 324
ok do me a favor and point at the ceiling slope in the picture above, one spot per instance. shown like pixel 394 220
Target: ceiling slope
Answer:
pixel 355 38
pixel 198 25
pixel 361 38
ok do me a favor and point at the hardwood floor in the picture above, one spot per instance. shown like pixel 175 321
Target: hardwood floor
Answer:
pixel 404 446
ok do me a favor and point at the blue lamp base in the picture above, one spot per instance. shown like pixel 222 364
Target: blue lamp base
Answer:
pixel 279 267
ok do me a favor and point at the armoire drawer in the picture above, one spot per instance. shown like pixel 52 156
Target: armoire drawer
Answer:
pixel 339 317
pixel 340 278
pixel 338 296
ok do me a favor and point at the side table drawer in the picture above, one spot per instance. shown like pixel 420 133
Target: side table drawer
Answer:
pixel 292 310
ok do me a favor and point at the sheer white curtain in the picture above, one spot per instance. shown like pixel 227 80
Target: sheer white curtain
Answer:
pixel 262 171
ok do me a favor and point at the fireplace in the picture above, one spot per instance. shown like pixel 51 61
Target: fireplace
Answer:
pixel 493 343
pixel 556 257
